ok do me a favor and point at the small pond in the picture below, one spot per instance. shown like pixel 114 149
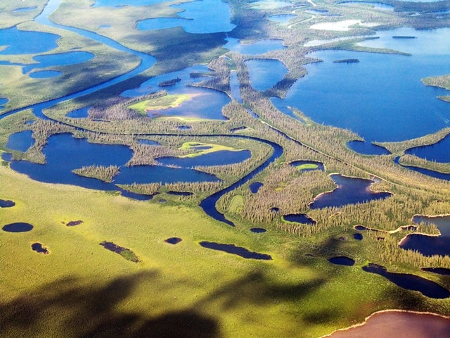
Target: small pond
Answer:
pixel 25 9
pixel 299 218
pixel 18 41
pixel 79 113
pixel 255 186
pixel 235 250
pixel 410 282
pixel 173 240
pixel 349 191
pixel 342 260
pixel 259 47
pixel 3 101
pixel 221 157
pixel 39 248
pixel 20 141
pixel 264 74
pixel 358 236
pixel 17 227
pixel 258 230
pixel 367 148
pixel 6 203
pixel 199 17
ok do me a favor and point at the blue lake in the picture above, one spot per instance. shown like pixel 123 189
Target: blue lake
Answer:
pixel 199 17
pixel 255 186
pixel 3 101
pixel 20 141
pixel 121 3
pixel 442 222
pixel 79 113
pixel 234 87
pixel 342 260
pixel 381 98
pixel 64 153
pixel 45 74
pixel 367 148
pixel 259 47
pixel 299 218
pixel 264 74
pixel 282 18
pixel 60 59
pixel 438 152
pixel 18 41
pixel 349 191
pixel 235 250
pixel 410 282
pixel 204 103
pixel 222 157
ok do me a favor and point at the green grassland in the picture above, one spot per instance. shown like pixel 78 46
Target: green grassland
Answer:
pixel 159 103
pixel 91 288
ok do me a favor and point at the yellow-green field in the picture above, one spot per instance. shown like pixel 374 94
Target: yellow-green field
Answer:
pixel 81 289
pixel 160 103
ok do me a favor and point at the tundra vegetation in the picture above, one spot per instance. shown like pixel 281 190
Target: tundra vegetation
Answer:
pixel 159 287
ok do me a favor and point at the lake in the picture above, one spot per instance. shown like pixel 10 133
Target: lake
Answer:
pixel 381 98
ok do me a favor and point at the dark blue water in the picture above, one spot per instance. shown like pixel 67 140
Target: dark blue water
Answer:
pixel 64 153
pixel 180 193
pixel 120 3
pixel 18 41
pixel 442 222
pixel 427 172
pixel 381 98
pixel 173 240
pixel 17 227
pixel 45 74
pixel 222 157
pixel 410 282
pixel 3 101
pixel 199 17
pixel 427 245
pixel 342 260
pixel 39 248
pixel 439 152
pixel 254 187
pixel 6 203
pixel 367 148
pixel 299 218
pixel 264 74
pixel 258 230
pixel 358 237
pixel 20 141
pixel 440 271
pixel 209 203
pixel 236 250
pixel 319 165
pixel 79 113
pixel 259 47
pixel 60 59
pixel 349 191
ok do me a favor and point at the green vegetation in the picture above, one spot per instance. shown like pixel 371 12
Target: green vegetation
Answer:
pixel 442 81
pixel 307 166
pixel 160 103
pixel 81 289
